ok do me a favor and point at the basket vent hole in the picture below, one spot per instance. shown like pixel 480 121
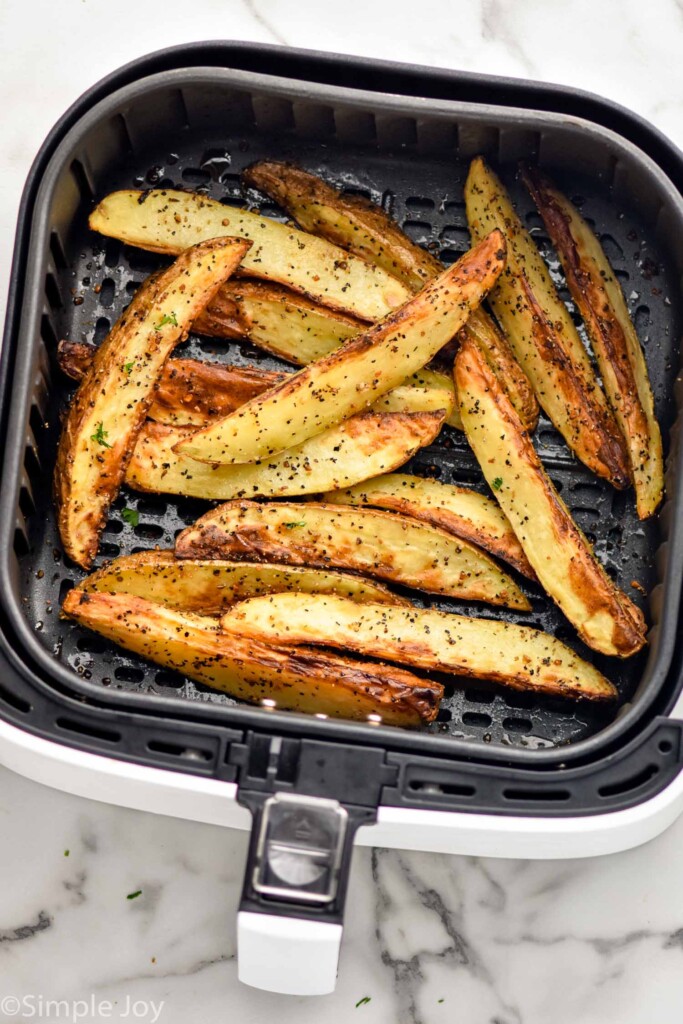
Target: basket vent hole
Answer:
pixel 92 644
pixel 57 251
pixel 87 729
pixel 476 718
pixel 613 250
pixel 101 331
pixel 113 526
pixel 109 550
pixel 479 696
pixel 52 292
pixel 152 507
pixel 47 331
pixel 177 750
pixel 444 715
pixel 642 321
pixel 447 788
pixel 665 746
pixel 82 182
pixel 107 292
pixel 450 255
pixel 36 421
pixel 536 795
pixel 172 679
pixel 629 784
pixel 519 725
pixel 621 275
pixel 20 545
pixel 26 503
pixel 112 252
pixel 32 464
pixel 418 203
pixel 419 230
pixel 132 287
pixel 196 176
pixel 455 236
pixel 149 531
pixel 64 587
pixel 128 674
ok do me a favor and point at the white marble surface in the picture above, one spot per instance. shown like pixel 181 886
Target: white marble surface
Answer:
pixel 429 938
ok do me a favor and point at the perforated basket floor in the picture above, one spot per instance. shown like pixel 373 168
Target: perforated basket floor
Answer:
pixel 90 280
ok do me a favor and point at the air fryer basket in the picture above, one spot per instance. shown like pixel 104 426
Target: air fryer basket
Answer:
pixel 197 128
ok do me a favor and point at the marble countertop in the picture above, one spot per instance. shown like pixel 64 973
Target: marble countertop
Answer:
pixel 429 938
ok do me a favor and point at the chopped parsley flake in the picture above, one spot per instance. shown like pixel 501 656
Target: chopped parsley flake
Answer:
pixel 363 1001
pixel 100 435
pixel 167 319
pixel 128 367
pixel 130 516
pixel 134 895
pixel 292 526
pixel 66 853
pixel 497 483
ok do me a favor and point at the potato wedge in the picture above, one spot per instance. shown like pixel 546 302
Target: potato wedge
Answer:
pixel 516 656
pixel 542 334
pixel 378 544
pixel 297 679
pixel 559 553
pixel 190 391
pixel 600 300
pixel 494 347
pixel 276 319
pixel 350 452
pixel 457 510
pixel 168 221
pixel 367 230
pixel 209 587
pixel 352 378
pixel 112 401
pixel 193 393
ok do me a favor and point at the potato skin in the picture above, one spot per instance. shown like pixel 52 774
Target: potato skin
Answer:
pixel 111 403
pixel 297 679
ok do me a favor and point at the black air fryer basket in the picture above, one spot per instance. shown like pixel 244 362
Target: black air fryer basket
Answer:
pixel 193 117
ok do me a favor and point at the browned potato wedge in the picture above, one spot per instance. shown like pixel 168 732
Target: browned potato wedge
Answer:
pixel 457 510
pixel 190 391
pixel 559 553
pixel 168 221
pixel 297 679
pixel 620 358
pixel 209 587
pixel 358 448
pixel 378 544
pixel 367 230
pixel 516 656
pixel 274 318
pixel 112 401
pixel 352 378
pixel 542 334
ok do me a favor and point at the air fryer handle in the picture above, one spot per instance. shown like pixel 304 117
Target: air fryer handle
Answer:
pixel 289 926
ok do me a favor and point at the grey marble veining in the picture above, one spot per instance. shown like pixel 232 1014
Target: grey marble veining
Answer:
pixel 429 939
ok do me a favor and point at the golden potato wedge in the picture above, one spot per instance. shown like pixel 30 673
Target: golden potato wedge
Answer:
pixel 494 347
pixel 289 325
pixel 367 230
pixel 209 587
pixel 352 451
pixel 516 656
pixel 193 393
pixel 600 300
pixel 379 544
pixel 352 378
pixel 457 510
pixel 298 679
pixel 112 401
pixel 559 553
pixel 190 391
pixel 542 334
pixel 168 221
